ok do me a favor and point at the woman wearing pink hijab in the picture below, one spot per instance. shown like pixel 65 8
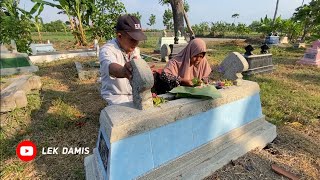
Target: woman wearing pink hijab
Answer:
pixel 190 63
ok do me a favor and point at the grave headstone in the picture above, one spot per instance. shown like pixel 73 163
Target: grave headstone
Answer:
pixel 142 82
pixel 264 49
pixel 85 74
pixel 299 45
pixel 169 40
pixel 164 33
pixel 96 46
pixel 249 50
pixel 165 52
pixel 14 96
pixel 4 49
pixel 14 46
pixel 312 55
pixel 232 67
pixel 175 49
pixel 284 40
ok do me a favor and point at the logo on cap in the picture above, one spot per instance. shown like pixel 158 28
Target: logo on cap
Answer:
pixel 137 26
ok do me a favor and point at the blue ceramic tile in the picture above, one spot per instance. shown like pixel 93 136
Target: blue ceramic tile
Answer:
pixel 216 122
pixel 131 157
pixel 171 141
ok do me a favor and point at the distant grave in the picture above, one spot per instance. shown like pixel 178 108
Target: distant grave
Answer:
pixel 312 55
pixel 261 63
pixel 272 40
pixel 284 40
pixel 41 48
pixel 169 51
pixel 14 94
pixel 46 53
pixel 169 40
pixel 87 70
pixel 15 63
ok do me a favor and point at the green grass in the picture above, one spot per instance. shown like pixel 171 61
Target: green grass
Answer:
pixel 53 36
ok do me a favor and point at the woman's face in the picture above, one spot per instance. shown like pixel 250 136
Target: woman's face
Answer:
pixel 195 60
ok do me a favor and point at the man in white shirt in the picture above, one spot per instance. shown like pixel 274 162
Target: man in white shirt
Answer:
pixel 115 57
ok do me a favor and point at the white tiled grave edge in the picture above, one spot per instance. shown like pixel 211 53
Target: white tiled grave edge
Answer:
pixel 142 144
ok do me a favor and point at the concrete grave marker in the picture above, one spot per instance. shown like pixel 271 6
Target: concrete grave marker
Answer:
pixel 273 40
pixel 165 52
pixel 182 139
pixel 14 96
pixel 14 46
pixel 169 40
pixel 312 55
pixel 4 49
pixel 41 48
pixel 284 40
pixel 232 66
pixel 15 63
pixel 142 82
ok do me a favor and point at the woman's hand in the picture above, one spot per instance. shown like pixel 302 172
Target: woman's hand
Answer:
pixel 186 82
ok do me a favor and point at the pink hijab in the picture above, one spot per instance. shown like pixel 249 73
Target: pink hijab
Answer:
pixel 179 65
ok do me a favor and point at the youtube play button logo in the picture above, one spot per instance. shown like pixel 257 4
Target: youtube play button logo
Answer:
pixel 26 150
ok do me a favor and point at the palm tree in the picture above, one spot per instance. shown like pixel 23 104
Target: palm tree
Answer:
pixel 235 16
pixel 275 13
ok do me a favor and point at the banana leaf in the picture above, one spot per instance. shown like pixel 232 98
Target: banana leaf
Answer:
pixel 207 91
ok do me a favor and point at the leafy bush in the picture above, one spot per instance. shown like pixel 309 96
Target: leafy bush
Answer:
pixel 17 28
pixel 105 17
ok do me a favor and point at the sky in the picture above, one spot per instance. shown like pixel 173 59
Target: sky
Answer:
pixel 200 10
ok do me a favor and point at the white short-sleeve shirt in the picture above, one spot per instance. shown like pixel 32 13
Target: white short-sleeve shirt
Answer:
pixel 115 90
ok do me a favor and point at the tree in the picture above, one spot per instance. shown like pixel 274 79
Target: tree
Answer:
pixel 309 17
pixel 167 19
pixel 137 15
pixel 78 12
pixel 152 20
pixel 15 25
pixel 275 12
pixel 235 16
pixel 178 11
pixel 37 19
pixel 54 26
pixel 105 17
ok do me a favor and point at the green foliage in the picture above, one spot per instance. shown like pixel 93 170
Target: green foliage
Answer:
pixel 54 26
pixel 104 19
pixel 186 6
pixel 309 17
pixel 152 20
pixel 201 29
pixel 79 13
pixel 137 15
pixel 15 25
pixel 168 19
pixel 158 100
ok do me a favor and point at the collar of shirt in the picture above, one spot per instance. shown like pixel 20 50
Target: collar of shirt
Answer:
pixel 125 55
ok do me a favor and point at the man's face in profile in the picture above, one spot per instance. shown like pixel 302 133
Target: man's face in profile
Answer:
pixel 127 42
